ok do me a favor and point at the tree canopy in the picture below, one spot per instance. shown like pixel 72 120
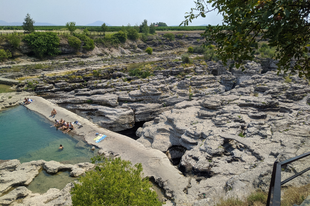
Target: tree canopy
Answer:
pixel 71 26
pixel 104 28
pixel 28 24
pixel 284 24
pixel 114 182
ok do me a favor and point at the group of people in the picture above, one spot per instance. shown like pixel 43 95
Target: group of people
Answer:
pixel 27 101
pixel 63 125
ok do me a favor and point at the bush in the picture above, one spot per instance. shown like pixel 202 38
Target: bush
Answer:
pixel 186 59
pixel 122 36
pixel 266 51
pixel 144 37
pixel 149 50
pixel 132 34
pixel 88 42
pixel 113 182
pixel 43 43
pixel 4 54
pixel 141 71
pixel 210 55
pixel 108 41
pixel 14 40
pixel 199 49
pixel 74 42
pixel 190 50
pixel 169 36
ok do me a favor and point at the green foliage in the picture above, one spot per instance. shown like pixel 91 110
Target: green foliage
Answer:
pixel 114 182
pixel 104 28
pixel 161 24
pixel 199 49
pixel 241 134
pixel 287 79
pixel 43 43
pixel 169 36
pixel 190 50
pixel 142 71
pixel 285 24
pixel 132 34
pixel 28 24
pixel 152 29
pixel 257 197
pixel 266 51
pixel 144 37
pixel 71 26
pixel 144 28
pixel 210 53
pixel 14 40
pixel 149 50
pixel 185 59
pixel 88 42
pixel 121 36
pixel 4 54
pixel 108 41
pixel 74 42
pixel 86 32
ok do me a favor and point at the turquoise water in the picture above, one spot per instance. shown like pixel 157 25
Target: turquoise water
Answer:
pixel 27 136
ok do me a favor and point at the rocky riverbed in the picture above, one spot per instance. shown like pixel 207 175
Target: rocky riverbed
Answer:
pixel 222 127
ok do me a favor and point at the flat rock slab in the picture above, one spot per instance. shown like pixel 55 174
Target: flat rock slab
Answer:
pixel 8 81
pixel 155 163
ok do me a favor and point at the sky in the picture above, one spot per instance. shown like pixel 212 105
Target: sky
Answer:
pixel 113 12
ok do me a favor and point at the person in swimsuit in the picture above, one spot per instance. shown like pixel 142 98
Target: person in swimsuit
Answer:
pixel 53 112
pixel 70 128
pixel 61 147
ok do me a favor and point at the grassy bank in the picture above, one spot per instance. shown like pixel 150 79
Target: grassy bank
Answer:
pixel 5 88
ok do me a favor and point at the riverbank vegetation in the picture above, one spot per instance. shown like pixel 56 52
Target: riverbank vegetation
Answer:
pixel 114 182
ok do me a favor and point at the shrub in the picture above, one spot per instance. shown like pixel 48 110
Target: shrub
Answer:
pixel 121 36
pixel 132 34
pixel 141 71
pixel 88 42
pixel 114 182
pixel 43 43
pixel 169 36
pixel 14 40
pixel 266 51
pixel 4 54
pixel 149 50
pixel 144 37
pixel 185 59
pixel 199 49
pixel 190 49
pixel 74 42
pixel 108 41
pixel 210 55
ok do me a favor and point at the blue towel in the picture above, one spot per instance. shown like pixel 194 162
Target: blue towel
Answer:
pixel 102 138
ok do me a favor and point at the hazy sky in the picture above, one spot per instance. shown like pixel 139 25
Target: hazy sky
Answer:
pixel 113 12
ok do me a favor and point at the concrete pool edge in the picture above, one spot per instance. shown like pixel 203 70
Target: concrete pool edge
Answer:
pixel 155 163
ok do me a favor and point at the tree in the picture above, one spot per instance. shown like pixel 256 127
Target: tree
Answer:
pixel 28 24
pixel 152 29
pixel 283 23
pixel 121 36
pixel 161 24
pixel 132 34
pixel 104 28
pixel 113 182
pixel 144 28
pixel 71 26
pixel 43 43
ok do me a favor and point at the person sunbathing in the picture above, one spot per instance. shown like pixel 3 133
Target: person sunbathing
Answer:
pixel 65 126
pixel 53 113
pixel 70 128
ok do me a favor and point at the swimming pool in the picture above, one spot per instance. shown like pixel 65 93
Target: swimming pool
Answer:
pixel 27 136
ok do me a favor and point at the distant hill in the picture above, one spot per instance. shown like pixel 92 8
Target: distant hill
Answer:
pixel 98 23
pixel 4 23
